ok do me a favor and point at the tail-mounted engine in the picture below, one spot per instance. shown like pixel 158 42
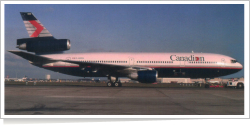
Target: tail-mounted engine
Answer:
pixel 146 76
pixel 43 44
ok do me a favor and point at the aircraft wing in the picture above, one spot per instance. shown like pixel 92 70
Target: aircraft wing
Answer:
pixel 109 67
pixel 112 68
pixel 32 57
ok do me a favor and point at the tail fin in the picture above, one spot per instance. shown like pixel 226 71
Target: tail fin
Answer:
pixel 34 27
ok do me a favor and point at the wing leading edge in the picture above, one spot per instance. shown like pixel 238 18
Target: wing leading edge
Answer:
pixel 125 69
pixel 111 68
pixel 33 58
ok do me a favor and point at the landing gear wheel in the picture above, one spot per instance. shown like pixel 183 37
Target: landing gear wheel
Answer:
pixel 109 84
pixel 117 84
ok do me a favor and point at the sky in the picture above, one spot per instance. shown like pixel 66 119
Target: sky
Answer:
pixel 206 28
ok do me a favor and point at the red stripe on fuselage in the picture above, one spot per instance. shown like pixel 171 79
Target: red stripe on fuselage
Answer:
pixel 200 67
pixel 167 67
pixel 39 28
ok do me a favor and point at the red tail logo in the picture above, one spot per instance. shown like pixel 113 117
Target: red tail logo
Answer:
pixel 39 28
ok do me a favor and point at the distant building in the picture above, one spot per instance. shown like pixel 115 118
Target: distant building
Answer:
pixel 215 80
pixel 200 80
pixel 174 80
pixel 47 76
pixel 124 80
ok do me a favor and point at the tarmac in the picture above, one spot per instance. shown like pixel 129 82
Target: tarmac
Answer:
pixel 30 99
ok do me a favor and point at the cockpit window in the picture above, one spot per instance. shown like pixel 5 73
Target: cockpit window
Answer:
pixel 233 61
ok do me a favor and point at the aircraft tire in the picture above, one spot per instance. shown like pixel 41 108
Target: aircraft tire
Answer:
pixel 109 84
pixel 116 84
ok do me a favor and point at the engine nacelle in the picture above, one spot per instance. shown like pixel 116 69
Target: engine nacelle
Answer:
pixel 146 76
pixel 43 45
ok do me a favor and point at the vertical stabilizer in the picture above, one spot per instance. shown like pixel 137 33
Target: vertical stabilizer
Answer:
pixel 34 27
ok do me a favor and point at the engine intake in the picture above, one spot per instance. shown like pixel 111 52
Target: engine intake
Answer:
pixel 40 45
pixel 147 76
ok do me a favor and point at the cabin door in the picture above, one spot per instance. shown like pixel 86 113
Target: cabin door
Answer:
pixel 131 61
pixel 223 62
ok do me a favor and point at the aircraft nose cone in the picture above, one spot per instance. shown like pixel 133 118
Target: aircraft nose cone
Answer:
pixel 240 66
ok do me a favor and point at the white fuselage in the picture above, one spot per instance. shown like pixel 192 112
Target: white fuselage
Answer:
pixel 150 60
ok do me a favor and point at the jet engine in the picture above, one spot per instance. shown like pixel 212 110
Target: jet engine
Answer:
pixel 146 76
pixel 43 45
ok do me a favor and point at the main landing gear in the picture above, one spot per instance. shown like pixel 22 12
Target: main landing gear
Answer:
pixel 113 82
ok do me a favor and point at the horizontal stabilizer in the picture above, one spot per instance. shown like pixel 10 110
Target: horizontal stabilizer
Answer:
pixel 32 57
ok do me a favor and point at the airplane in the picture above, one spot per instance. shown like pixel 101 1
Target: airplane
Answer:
pixel 45 51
